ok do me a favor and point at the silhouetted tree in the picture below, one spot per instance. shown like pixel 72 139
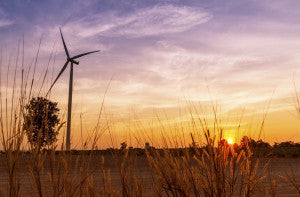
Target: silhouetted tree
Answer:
pixel 254 144
pixel 41 121
pixel 286 144
pixel 262 144
pixel 123 146
pixel 247 141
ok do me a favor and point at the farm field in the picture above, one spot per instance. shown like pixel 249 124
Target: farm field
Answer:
pixel 140 171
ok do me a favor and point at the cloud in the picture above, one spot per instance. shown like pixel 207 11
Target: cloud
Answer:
pixel 4 22
pixel 151 21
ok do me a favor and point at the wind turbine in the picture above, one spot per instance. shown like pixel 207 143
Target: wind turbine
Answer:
pixel 72 61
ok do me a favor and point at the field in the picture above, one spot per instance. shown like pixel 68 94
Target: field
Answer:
pixel 138 170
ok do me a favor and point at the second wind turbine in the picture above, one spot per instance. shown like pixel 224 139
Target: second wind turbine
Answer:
pixel 72 61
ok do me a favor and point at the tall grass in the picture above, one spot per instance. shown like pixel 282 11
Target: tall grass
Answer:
pixel 212 169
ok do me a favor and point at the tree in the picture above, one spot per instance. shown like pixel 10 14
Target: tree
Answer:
pixel 41 122
pixel 246 141
pixel 123 146
pixel 251 143
pixel 285 144
pixel 262 144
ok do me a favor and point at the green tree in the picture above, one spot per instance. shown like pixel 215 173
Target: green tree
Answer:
pixel 41 122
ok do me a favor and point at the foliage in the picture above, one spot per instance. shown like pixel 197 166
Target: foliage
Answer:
pixel 123 146
pixel 40 121
pixel 286 144
pixel 246 141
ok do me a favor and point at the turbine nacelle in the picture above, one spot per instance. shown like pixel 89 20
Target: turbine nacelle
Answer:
pixel 72 61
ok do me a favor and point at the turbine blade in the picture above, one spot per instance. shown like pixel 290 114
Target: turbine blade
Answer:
pixel 61 71
pixel 83 54
pixel 66 50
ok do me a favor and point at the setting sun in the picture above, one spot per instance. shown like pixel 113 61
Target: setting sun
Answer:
pixel 230 141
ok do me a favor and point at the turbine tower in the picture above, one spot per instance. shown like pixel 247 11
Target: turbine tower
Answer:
pixel 72 61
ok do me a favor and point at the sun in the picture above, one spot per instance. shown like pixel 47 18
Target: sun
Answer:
pixel 230 141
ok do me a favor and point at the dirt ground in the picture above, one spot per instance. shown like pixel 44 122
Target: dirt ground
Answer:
pixel 278 166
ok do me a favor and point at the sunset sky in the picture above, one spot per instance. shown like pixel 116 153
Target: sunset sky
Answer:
pixel 157 57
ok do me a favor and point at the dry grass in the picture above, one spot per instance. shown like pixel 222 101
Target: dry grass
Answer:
pixel 217 170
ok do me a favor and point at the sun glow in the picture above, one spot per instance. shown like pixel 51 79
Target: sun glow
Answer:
pixel 230 141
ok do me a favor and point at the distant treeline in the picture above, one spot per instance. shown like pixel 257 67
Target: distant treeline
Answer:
pixel 258 148
pixel 279 149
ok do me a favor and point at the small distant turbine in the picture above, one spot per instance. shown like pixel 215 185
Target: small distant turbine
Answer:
pixel 72 60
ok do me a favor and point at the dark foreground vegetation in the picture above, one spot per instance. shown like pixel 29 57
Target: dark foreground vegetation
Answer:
pixel 218 169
